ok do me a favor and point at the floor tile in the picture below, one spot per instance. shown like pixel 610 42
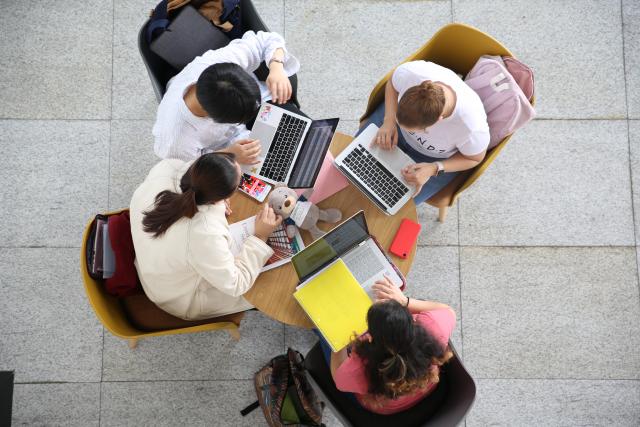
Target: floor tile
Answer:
pixel 634 143
pixel 567 60
pixel 56 404
pixel 300 339
pixel 434 276
pixel 560 313
pixel 272 13
pixel 556 403
pixel 187 403
pixel 434 232
pixel 340 62
pixel 348 127
pixel 133 96
pixel 631 21
pixel 54 176
pixel 49 332
pixel 132 157
pixel 547 187
pixel 209 355
pixel 56 61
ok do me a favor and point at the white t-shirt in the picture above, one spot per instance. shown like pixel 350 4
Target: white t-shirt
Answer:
pixel 465 130
pixel 178 133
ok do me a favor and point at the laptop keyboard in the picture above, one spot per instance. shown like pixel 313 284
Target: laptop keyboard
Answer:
pixel 283 148
pixel 379 180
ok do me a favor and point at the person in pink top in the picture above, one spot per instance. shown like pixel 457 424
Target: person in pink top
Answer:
pixel 397 363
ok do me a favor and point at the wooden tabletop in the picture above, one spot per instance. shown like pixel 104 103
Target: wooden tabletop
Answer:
pixel 273 291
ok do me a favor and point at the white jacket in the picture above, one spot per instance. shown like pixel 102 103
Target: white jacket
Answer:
pixel 190 271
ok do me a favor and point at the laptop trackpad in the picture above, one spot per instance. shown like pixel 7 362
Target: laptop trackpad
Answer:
pixel 264 133
pixel 368 264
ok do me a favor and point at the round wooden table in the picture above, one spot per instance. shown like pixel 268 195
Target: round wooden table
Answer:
pixel 273 291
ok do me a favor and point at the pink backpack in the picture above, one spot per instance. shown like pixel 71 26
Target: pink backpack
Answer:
pixel 505 86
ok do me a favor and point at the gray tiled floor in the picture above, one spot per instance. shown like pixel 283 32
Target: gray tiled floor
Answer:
pixel 539 258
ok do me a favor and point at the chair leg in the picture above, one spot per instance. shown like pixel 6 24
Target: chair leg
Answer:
pixel 442 213
pixel 133 343
pixel 235 333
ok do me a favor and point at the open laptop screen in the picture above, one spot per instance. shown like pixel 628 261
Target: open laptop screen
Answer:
pixel 331 246
pixel 315 146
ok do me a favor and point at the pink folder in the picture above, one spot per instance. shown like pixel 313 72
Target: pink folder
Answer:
pixel 329 181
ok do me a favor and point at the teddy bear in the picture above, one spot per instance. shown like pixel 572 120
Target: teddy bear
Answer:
pixel 298 211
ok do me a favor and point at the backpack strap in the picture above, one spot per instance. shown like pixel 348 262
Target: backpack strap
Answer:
pixel 250 408
pixel 159 20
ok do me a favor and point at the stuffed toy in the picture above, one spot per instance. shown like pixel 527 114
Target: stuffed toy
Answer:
pixel 298 211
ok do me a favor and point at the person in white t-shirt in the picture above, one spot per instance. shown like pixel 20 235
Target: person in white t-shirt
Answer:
pixel 432 115
pixel 208 103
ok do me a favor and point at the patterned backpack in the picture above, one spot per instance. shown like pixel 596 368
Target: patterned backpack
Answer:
pixel 285 395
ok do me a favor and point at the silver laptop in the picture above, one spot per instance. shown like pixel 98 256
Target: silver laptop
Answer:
pixel 376 172
pixel 293 146
pixel 351 242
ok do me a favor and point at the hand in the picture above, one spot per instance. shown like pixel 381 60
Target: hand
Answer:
pixel 279 84
pixel 419 174
pixel 385 290
pixel 227 207
pixel 266 222
pixel 246 151
pixel 387 136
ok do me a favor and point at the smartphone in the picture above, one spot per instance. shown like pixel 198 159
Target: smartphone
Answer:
pixel 406 237
pixel 254 187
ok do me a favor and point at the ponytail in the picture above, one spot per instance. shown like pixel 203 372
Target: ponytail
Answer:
pixel 211 178
pixel 169 208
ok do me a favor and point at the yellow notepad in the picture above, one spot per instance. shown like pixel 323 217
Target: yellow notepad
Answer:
pixel 336 303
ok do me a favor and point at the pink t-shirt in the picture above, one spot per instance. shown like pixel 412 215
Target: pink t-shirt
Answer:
pixel 351 375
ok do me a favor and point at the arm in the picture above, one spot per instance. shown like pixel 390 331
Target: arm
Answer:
pixel 385 290
pixel 420 173
pixel 338 359
pixel 209 253
pixel 249 51
pixel 387 136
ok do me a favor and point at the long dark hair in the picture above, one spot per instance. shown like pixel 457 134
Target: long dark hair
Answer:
pixel 211 178
pixel 399 358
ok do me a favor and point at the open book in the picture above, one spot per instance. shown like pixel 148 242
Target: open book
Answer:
pixel 283 247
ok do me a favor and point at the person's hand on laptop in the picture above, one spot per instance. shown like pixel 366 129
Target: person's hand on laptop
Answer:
pixel 419 174
pixel 266 222
pixel 385 290
pixel 278 83
pixel 387 136
pixel 246 151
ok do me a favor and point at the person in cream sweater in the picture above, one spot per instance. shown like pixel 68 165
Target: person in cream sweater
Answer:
pixel 182 241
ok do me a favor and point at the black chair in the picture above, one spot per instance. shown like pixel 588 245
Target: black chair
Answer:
pixel 6 397
pixel 446 406
pixel 160 72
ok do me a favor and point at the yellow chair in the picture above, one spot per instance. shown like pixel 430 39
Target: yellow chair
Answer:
pixel 457 47
pixel 111 311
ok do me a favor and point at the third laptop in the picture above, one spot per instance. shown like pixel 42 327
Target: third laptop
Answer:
pixel 376 172
pixel 293 146
pixel 351 242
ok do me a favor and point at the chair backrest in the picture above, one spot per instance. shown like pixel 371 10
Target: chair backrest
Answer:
pixel 159 71
pixel 108 309
pixel 457 399
pixel 457 47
